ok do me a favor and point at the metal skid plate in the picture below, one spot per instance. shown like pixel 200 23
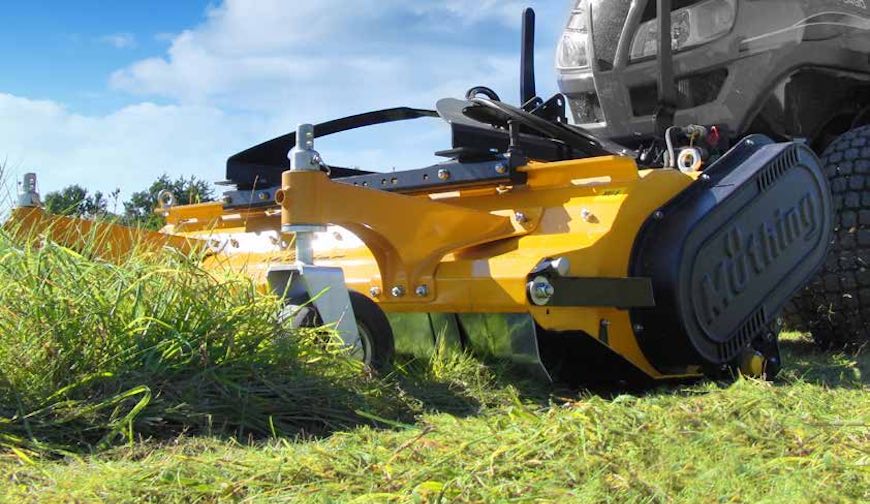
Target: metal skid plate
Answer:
pixel 508 336
pixel 326 290
pixel 420 334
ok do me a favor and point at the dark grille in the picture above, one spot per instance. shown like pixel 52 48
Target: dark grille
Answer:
pixel 753 327
pixel 692 91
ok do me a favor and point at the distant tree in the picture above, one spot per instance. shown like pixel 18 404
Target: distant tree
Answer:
pixel 139 209
pixel 76 201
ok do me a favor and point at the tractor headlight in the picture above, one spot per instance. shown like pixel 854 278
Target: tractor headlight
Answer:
pixel 690 27
pixel 572 48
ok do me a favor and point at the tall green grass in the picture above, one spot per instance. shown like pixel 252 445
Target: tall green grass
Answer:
pixel 93 353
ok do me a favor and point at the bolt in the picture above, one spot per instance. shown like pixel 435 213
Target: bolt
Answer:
pixel 443 174
pixel 375 292
pixel 750 142
pixel 544 289
pixel 422 291
pixel 705 177
pixel 587 215
pixel 638 328
pixel 398 291
pixel 501 169
pixel 227 200
pixel 521 217
pixel 605 323
pixel 658 215
pixel 263 196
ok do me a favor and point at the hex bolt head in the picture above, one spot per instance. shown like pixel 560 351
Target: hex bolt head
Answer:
pixel 521 217
pixel 443 174
pixel 540 291
pixel 658 215
pixel 422 290
pixel 397 291
pixel 501 168
pixel 263 196
pixel 375 292
pixel 544 289
pixel 705 177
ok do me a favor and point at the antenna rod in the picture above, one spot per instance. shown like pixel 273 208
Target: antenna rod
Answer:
pixel 527 63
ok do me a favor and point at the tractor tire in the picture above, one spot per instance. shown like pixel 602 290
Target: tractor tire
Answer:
pixel 835 306
pixel 375 332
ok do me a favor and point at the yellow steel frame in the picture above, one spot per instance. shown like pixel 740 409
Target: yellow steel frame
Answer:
pixel 474 254
pixel 471 248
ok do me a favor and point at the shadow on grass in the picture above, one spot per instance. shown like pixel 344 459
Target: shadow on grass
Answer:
pixel 805 361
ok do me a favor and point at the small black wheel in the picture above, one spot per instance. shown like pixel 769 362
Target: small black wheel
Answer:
pixel 835 306
pixel 376 335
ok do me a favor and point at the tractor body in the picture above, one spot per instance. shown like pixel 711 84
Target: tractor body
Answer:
pixel 793 70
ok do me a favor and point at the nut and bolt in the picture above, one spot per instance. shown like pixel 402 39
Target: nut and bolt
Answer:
pixel 501 169
pixel 638 328
pixel 422 291
pixel 375 292
pixel 397 291
pixel 588 216
pixel 544 289
pixel 443 174
pixel 705 177
pixel 658 215
pixel 540 291
pixel 521 217
pixel 263 196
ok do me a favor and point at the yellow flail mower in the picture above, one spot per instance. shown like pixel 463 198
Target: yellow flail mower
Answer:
pixel 533 242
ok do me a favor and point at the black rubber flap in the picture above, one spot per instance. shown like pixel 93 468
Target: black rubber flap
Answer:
pixel 727 253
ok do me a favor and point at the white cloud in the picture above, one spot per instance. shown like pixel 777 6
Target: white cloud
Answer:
pixel 127 148
pixel 264 56
pixel 254 68
pixel 119 40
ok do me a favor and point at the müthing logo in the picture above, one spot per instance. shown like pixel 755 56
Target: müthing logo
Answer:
pixel 750 252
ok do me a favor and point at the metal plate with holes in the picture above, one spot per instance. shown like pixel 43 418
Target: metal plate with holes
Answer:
pixel 446 175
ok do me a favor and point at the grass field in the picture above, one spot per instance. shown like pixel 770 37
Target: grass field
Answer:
pixel 155 380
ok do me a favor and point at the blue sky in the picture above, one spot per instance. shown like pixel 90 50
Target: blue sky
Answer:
pixel 111 94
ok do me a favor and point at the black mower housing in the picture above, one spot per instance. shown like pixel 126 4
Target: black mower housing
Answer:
pixel 726 254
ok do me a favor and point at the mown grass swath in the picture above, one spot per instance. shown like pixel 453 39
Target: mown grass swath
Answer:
pixel 93 352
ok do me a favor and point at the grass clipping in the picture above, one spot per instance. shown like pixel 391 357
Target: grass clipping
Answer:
pixel 93 353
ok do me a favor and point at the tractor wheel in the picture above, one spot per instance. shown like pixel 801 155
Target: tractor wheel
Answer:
pixel 835 306
pixel 376 335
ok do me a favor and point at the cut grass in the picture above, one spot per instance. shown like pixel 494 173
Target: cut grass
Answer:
pixel 156 380
pixel 804 438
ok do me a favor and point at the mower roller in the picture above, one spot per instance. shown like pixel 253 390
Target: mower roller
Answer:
pixel 535 242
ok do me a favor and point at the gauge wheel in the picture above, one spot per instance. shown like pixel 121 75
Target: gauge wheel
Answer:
pixel 376 348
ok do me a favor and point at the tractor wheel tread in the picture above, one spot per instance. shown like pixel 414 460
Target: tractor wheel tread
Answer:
pixel 835 306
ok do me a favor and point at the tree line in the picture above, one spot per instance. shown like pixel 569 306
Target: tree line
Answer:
pixel 138 210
